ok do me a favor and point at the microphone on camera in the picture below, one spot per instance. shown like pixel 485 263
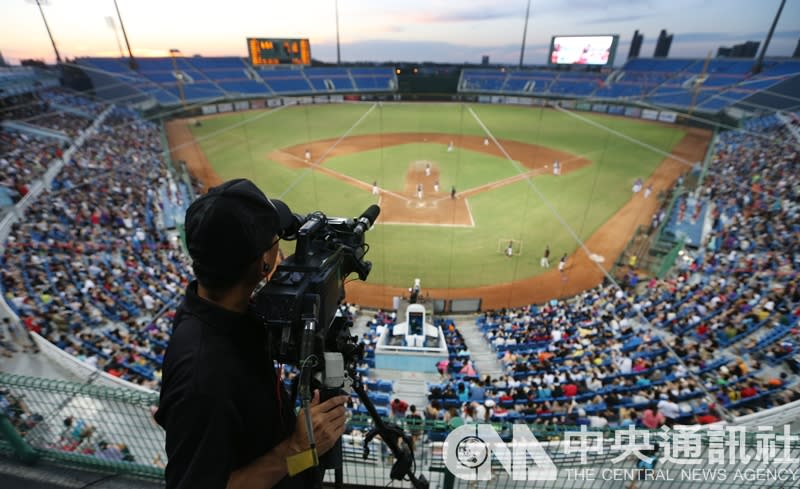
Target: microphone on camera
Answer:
pixel 367 219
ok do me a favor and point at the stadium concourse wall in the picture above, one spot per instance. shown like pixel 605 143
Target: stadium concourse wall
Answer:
pixel 219 107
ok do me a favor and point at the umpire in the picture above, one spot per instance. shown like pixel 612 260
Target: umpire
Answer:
pixel 228 418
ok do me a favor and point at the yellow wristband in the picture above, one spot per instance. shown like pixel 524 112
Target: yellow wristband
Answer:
pixel 301 461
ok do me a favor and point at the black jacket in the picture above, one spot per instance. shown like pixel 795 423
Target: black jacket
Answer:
pixel 222 404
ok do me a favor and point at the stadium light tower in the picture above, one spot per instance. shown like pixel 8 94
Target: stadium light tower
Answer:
pixel 524 34
pixel 760 61
pixel 132 61
pixel 46 26
pixel 177 73
pixel 338 51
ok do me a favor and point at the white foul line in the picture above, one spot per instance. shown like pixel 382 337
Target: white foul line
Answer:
pixel 316 163
pixel 624 136
pixel 342 175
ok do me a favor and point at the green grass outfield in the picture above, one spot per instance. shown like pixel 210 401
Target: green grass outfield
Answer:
pixel 445 256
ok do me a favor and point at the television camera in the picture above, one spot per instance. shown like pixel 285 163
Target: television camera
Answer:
pixel 300 309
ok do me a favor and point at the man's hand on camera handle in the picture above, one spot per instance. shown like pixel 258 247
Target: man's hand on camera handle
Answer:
pixel 327 418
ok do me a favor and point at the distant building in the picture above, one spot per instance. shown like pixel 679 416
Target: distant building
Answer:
pixel 485 60
pixel 747 49
pixel 636 44
pixel 663 44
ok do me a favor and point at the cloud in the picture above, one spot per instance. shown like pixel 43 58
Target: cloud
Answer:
pixel 471 14
pixel 582 7
pixel 611 20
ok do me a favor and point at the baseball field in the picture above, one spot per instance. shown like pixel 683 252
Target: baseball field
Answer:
pixel 499 160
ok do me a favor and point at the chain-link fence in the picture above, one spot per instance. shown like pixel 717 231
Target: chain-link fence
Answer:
pixel 88 425
pixel 111 430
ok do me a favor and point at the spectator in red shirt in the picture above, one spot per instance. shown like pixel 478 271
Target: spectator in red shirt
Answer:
pixel 652 420
pixel 749 391
pixel 399 408
pixel 570 390
pixel 707 418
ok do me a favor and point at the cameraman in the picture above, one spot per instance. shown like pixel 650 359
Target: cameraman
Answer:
pixel 229 421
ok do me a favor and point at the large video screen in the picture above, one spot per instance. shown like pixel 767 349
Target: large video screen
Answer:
pixel 583 50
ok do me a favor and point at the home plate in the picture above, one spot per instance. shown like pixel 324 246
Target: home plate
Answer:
pixel 596 258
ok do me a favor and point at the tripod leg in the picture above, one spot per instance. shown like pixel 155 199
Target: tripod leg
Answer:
pixel 338 477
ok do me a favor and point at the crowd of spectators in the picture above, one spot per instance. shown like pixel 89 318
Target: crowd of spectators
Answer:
pixel 21 107
pixel 23 159
pixel 16 410
pixel 63 98
pixel 609 356
pixel 81 437
pixel 46 109
pixel 90 267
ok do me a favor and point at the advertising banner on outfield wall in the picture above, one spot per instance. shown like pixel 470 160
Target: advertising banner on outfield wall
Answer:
pixel 209 109
pixel 336 99
pixel 539 102
pixel 633 112
pixel 484 99
pixel 274 102
pixel 616 109
pixel 224 107
pixel 567 104
pixel 257 104
pixel 498 99
pixel 600 108
pixel 289 101
pixel 667 116
pixel 651 115
pixel 320 99
pixel 243 105
pixel 305 100
pixel 583 106
pixel 511 100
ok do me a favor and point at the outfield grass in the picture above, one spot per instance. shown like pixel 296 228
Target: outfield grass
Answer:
pixel 446 257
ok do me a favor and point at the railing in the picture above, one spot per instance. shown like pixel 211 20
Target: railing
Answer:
pixel 69 422
pixel 669 259
pixel 112 430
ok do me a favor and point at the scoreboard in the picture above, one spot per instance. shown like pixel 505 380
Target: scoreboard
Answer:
pixel 278 51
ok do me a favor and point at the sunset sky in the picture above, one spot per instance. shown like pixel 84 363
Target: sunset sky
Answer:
pixel 383 30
